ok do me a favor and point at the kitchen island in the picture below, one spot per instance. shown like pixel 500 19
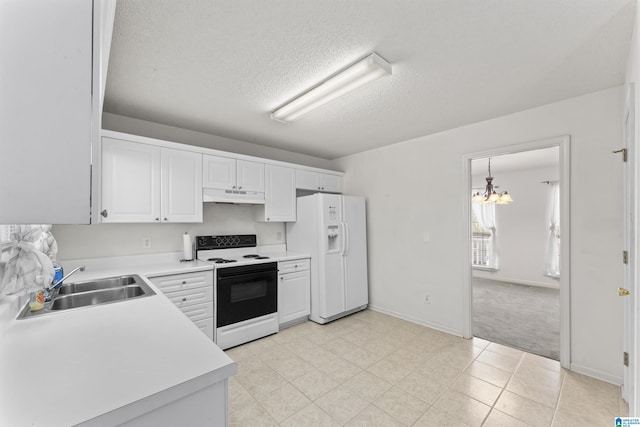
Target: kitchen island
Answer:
pixel 134 362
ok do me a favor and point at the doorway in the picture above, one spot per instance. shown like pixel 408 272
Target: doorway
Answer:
pixel 515 250
pixel 562 144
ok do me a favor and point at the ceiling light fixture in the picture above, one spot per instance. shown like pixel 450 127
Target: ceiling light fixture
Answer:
pixel 348 80
pixel 490 195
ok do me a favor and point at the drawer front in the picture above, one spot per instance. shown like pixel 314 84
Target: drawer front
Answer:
pixel 206 326
pixel 198 311
pixel 180 282
pixel 191 296
pixel 293 266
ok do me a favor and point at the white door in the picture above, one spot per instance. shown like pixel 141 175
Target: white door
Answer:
pixel 332 291
pixel 130 181
pixel 629 387
pixel 218 172
pixel 280 194
pixel 355 252
pixel 250 176
pixel 181 186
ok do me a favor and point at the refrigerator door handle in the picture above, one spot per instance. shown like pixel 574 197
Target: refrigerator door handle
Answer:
pixel 345 238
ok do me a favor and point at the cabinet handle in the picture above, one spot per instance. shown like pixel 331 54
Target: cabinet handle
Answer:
pixel 104 213
pixel 322 188
pixel 184 299
pixel 268 219
pixel 295 266
pixel 166 219
pixel 184 282
pixel 233 187
pixel 157 219
pixel 240 188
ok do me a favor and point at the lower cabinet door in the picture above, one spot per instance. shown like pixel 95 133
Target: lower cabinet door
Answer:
pixel 294 301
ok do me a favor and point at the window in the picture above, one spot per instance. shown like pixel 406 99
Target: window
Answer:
pixel 484 253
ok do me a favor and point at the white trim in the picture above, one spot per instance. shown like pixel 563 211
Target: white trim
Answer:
pixel 597 374
pixel 436 326
pixel 563 141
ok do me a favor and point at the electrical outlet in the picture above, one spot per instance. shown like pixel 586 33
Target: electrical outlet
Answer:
pixel 427 299
pixel 146 242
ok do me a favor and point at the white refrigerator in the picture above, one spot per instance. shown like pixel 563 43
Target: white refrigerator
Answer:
pixel 332 229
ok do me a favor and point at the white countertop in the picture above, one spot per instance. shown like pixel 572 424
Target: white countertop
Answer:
pixel 69 367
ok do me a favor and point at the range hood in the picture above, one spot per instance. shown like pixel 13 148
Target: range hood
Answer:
pixel 232 196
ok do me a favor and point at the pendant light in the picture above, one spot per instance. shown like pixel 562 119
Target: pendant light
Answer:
pixel 490 195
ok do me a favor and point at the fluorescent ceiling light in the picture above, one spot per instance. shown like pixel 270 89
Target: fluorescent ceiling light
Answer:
pixel 341 84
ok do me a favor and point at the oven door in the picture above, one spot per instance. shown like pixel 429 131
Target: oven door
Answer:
pixel 246 292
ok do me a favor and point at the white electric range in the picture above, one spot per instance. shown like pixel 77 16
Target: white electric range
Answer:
pixel 245 288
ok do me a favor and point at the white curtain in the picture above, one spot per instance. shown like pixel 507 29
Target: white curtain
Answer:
pixel 552 254
pixel 486 216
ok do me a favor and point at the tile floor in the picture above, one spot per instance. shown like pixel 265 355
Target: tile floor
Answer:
pixel 370 369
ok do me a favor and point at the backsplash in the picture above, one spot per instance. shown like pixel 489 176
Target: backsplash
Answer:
pixel 106 240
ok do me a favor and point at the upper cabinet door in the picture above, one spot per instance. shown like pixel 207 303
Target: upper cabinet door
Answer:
pixel 250 176
pixel 45 111
pixel 280 194
pixel 130 182
pixel 181 186
pixel 219 172
pixel 331 183
pixel 316 181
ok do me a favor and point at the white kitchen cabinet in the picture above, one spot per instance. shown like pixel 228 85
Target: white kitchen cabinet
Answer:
pixel 317 181
pixel 146 183
pixel 280 195
pixel 230 174
pixel 46 110
pixel 294 287
pixel 192 293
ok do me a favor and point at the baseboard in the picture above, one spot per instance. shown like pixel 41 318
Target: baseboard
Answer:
pixel 519 282
pixel 431 325
pixel 594 373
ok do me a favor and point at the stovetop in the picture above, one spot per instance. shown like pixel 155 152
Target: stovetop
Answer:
pixel 229 250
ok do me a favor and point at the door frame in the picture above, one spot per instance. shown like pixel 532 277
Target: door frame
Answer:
pixel 630 327
pixel 564 144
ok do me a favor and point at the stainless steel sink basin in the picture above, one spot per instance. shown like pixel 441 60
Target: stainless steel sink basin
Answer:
pixel 94 285
pixel 83 299
pixel 92 292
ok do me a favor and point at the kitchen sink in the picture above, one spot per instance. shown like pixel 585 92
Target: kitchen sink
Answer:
pixel 94 285
pixel 92 292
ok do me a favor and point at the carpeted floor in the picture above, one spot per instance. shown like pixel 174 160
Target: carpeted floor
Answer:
pixel 519 316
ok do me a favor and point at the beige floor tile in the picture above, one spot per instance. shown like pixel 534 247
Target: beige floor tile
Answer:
pixel 401 405
pixel 547 377
pixel 252 415
pixel 390 371
pixel 498 360
pixel 488 373
pixel 480 343
pixel 482 391
pixel 367 386
pixel 422 387
pixel 239 397
pixel 380 347
pixel 500 419
pixel 438 371
pixel 588 397
pixel 341 404
pixel 435 417
pixel 282 402
pixel 362 358
pixel 531 360
pixel 580 419
pixel 361 336
pixel 507 351
pixel 261 380
pixel 340 369
pixel 311 416
pixel 535 390
pixel 373 417
pixel 525 410
pixel 290 367
pixel 314 384
pixel 463 408
pixel 340 346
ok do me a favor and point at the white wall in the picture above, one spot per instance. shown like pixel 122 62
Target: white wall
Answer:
pixel 522 226
pixel 104 240
pixel 414 192
pixel 199 139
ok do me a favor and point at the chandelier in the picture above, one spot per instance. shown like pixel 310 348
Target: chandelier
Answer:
pixel 490 195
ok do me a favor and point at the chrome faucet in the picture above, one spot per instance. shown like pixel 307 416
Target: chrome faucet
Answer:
pixel 59 282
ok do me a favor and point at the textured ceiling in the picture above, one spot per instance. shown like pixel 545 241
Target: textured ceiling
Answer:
pixel 221 67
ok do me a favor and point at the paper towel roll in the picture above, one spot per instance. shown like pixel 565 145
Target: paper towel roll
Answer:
pixel 188 249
